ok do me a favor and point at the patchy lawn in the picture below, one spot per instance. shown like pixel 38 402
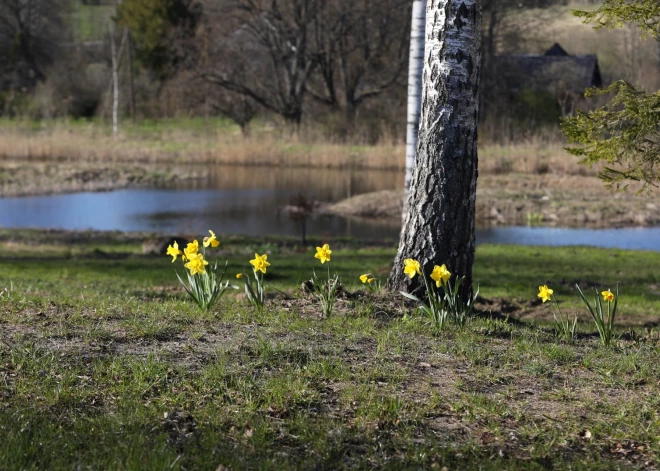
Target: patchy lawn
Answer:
pixel 104 364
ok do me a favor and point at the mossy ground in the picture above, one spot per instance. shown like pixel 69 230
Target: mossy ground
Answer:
pixel 104 364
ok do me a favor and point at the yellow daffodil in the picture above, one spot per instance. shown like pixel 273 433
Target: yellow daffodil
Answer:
pixel 212 241
pixel 411 268
pixel 196 264
pixel 239 276
pixel 174 251
pixel 323 253
pixel 191 250
pixel 440 275
pixel 371 280
pixel 364 278
pixel 260 263
pixel 545 293
pixel 608 296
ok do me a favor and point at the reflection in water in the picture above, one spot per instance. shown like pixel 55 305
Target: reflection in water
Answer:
pixel 252 212
pixel 320 184
pixel 243 200
pixel 236 200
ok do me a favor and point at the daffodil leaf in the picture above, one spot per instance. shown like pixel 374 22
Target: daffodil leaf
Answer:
pixel 410 296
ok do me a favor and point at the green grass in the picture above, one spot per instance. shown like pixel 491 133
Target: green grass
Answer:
pixel 516 272
pixel 145 129
pixel 104 364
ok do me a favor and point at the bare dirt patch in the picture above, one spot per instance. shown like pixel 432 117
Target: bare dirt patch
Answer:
pixel 507 400
pixel 518 199
pixel 536 311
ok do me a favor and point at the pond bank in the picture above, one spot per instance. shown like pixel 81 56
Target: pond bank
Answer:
pixel 51 178
pixel 520 199
pixel 503 199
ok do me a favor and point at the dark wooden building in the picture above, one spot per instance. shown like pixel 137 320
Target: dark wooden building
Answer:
pixel 556 72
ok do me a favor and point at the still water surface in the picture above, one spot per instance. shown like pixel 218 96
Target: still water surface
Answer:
pixel 252 212
pixel 248 201
pixel 236 200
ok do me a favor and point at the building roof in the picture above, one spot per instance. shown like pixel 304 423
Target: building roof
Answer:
pixel 556 71
pixel 556 50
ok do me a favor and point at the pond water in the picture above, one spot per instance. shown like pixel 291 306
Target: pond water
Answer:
pixel 248 201
pixel 237 200
pixel 251 212
pixel 637 238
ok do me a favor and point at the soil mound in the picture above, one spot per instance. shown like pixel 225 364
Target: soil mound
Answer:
pixel 381 205
pixel 524 199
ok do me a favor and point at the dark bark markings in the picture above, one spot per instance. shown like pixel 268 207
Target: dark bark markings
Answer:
pixel 439 228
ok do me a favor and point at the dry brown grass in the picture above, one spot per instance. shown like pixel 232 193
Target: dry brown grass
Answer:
pixel 531 157
pixel 90 144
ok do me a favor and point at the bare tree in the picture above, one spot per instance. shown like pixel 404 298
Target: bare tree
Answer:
pixel 496 33
pixel 30 31
pixel 360 50
pixel 439 226
pixel 262 52
pixel 239 108
pixel 494 13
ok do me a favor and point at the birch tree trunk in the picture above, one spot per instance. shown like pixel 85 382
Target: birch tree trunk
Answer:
pixel 439 225
pixel 415 71
pixel 131 81
pixel 115 85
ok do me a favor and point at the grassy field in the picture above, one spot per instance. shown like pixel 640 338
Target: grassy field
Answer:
pixel 106 365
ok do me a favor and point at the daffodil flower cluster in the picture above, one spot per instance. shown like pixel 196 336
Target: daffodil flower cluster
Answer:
pixel 196 263
pixel 326 291
pixel 203 286
pixel 444 300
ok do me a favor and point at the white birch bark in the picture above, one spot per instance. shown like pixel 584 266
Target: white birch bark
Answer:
pixel 115 85
pixel 439 225
pixel 415 70
pixel 131 81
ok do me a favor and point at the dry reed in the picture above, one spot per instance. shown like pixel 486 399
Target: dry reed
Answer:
pixel 65 145
pixel 90 144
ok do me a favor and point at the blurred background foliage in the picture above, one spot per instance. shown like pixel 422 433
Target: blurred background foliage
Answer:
pixel 336 66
